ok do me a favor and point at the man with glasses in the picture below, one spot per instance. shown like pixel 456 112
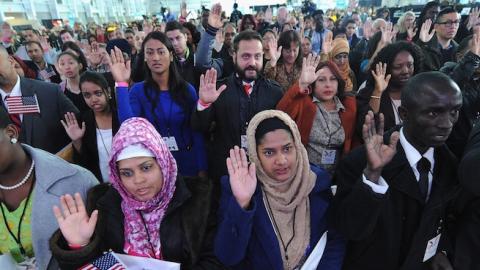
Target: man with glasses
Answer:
pixel 438 45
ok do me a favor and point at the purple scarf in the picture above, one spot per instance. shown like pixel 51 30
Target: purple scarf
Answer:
pixel 139 131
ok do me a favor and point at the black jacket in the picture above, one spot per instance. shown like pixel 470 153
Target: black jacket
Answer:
pixel 432 56
pixel 227 114
pixel 186 231
pixel 363 106
pixel 53 79
pixel 463 73
pixel 391 230
pixel 88 157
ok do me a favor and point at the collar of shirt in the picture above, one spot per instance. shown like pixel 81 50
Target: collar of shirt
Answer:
pixel 16 91
pixel 339 106
pixel 413 156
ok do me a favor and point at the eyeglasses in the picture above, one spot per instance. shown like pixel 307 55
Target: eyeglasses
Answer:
pixel 450 23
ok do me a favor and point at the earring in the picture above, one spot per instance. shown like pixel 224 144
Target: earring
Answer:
pixel 13 140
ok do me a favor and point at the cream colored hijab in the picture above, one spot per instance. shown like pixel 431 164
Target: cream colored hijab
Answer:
pixel 290 210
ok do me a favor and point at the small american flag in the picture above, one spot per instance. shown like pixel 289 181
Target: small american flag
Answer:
pixel 106 262
pixel 21 104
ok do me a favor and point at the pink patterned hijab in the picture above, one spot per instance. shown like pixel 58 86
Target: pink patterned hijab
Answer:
pixel 139 131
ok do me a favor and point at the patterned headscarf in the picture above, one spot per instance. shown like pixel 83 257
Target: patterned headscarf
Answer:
pixel 139 131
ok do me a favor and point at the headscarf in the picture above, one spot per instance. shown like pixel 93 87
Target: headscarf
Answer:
pixel 340 45
pixel 132 132
pixel 291 206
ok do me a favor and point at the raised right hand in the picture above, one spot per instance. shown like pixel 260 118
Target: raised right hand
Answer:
pixel 243 178
pixel 275 52
pixel 425 33
pixel 475 47
pixel 378 153
pixel 76 227
pixel 327 44
pixel 74 131
pixel 208 92
pixel 215 16
pixel 381 77
pixel 120 69
pixel 308 75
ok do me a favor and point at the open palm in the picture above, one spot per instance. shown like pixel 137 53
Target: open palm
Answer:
pixel 208 92
pixel 120 69
pixel 378 153
pixel 308 75
pixel 74 131
pixel 243 178
pixel 380 76
pixel 74 223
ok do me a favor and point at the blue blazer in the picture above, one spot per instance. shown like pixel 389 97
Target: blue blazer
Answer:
pixel 246 239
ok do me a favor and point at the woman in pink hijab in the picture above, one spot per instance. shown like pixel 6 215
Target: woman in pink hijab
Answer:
pixel 147 211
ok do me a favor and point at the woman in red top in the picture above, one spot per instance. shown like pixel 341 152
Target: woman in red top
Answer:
pixel 324 115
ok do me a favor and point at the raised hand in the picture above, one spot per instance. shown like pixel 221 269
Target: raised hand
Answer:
pixel 120 69
pixel 378 153
pixel 475 47
pixel 76 227
pixel 380 76
pixel 388 33
pixel 243 177
pixel 45 44
pixel 473 18
pixel 327 44
pixel 219 36
pixel 411 32
pixel 367 29
pixel 275 52
pixel 208 92
pixel 308 75
pixel 74 131
pixel 425 33
pixel 268 14
pixel 215 17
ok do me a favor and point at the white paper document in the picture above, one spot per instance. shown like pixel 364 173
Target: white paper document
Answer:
pixel 139 263
pixel 314 259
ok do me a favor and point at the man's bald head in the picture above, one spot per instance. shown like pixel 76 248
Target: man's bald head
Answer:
pixel 431 102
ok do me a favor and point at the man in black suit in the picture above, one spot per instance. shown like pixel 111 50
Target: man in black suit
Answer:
pixel 39 129
pixel 467 242
pixel 240 96
pixel 392 200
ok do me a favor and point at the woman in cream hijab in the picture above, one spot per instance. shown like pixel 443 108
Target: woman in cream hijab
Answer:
pixel 276 223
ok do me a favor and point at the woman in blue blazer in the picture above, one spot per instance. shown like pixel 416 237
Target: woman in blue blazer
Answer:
pixel 277 223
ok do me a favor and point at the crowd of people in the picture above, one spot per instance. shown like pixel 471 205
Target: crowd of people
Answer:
pixel 248 141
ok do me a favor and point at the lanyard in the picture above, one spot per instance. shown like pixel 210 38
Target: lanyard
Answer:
pixel 330 134
pixel 18 238
pixel 148 234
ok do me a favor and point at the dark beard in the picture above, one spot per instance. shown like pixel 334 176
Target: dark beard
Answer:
pixel 241 73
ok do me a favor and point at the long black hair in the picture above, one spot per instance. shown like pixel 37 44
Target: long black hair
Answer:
pixel 99 79
pixel 177 86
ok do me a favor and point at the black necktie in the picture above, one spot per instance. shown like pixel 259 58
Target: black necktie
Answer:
pixel 423 167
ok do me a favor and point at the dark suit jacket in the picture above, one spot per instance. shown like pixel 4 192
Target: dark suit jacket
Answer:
pixel 225 112
pixel 391 230
pixel 43 130
pixel 467 242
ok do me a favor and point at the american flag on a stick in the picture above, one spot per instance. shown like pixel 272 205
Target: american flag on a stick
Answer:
pixel 106 262
pixel 23 104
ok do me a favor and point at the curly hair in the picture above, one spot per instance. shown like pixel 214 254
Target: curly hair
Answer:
pixel 388 53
